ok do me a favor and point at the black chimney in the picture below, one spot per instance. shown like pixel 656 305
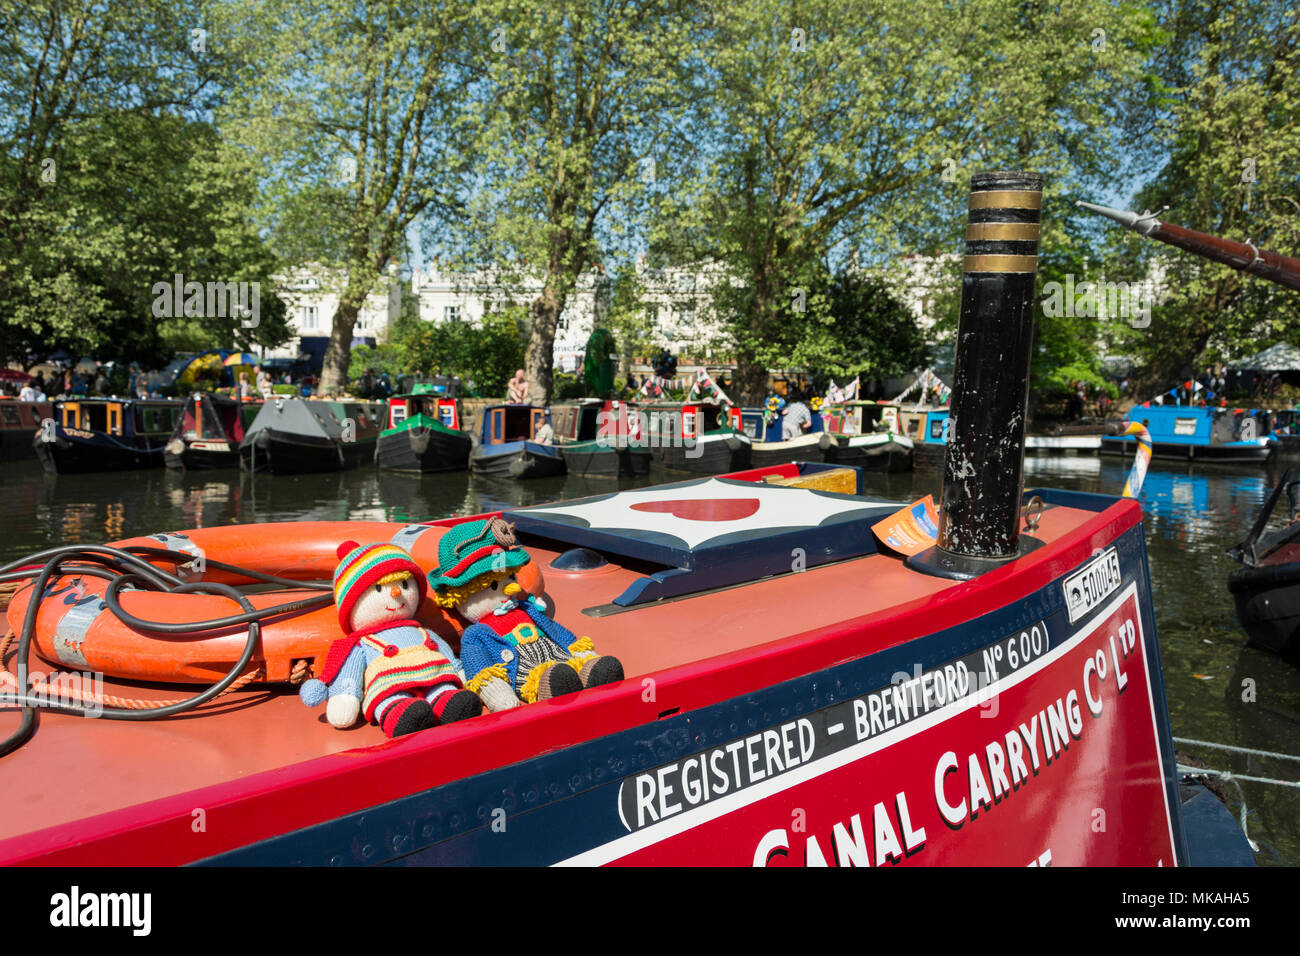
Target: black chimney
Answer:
pixel 979 521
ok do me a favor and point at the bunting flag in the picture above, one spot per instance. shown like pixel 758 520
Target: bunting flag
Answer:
pixel 650 388
pixel 654 386
pixel 926 381
pixel 835 394
pixel 704 385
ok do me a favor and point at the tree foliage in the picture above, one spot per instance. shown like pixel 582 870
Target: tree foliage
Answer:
pixel 839 126
pixel 109 183
pixel 1227 162
pixel 781 139
pixel 575 99
pixel 486 355
pixel 352 113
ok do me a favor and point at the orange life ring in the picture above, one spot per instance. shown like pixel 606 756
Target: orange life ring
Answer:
pixel 75 629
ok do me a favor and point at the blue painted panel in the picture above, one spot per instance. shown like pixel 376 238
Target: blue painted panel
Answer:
pixel 1177 424
pixel 936 423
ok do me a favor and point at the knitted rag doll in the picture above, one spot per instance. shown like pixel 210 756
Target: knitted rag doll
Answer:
pixel 511 652
pixel 388 669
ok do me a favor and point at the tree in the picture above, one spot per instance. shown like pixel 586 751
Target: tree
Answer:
pixel 628 318
pixel 576 96
pixel 1228 164
pixel 487 354
pixel 864 330
pixel 353 109
pixel 833 127
pixel 101 170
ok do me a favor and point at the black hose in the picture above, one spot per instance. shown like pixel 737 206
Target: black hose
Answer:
pixel 28 724
pixel 179 557
pixel 170 710
pixel 101 554
pixel 123 567
pixel 252 615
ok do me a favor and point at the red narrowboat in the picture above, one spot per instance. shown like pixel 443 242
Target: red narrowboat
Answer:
pixel 800 685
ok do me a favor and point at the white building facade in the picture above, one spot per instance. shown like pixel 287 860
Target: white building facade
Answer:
pixel 311 296
pixel 678 302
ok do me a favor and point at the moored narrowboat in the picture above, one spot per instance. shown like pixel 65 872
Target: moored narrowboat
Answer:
pixel 917 701
pixel 19 422
pixel 1191 432
pixel 209 432
pixel 1266 588
pixel 767 446
pixel 1063 444
pixel 927 427
pixel 867 435
pixel 515 441
pixel 106 434
pixel 1286 431
pixel 424 433
pixel 292 436
pixel 701 438
pixel 930 426
pixel 600 438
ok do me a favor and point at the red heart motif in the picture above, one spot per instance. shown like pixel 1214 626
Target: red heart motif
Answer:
pixel 702 509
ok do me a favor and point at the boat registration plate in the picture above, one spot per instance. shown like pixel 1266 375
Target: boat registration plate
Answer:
pixel 1086 588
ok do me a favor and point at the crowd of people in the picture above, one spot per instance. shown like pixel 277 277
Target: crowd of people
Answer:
pixel 108 380
pixel 103 380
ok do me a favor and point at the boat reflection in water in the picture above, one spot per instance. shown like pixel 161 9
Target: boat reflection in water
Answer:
pixel 1184 503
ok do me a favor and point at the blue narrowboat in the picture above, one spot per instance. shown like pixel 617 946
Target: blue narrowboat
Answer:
pixel 509 446
pixel 108 434
pixel 768 447
pixel 1199 432
pixel 928 430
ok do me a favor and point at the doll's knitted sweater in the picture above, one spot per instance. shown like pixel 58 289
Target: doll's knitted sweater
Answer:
pixel 375 663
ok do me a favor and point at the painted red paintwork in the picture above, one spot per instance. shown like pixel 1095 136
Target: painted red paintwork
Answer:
pixel 259 763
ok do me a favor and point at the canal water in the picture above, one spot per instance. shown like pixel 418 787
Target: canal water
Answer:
pixel 1219 691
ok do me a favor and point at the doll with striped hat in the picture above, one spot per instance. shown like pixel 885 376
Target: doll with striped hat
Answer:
pixel 512 651
pixel 389 669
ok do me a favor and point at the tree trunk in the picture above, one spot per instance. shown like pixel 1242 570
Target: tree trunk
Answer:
pixel 750 388
pixel 540 358
pixel 334 374
pixel 1168 368
pixel 751 375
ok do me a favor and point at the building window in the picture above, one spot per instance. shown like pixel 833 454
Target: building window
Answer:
pixel 451 313
pixel 309 318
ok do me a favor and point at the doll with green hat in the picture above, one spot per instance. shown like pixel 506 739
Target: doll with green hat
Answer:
pixel 512 652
